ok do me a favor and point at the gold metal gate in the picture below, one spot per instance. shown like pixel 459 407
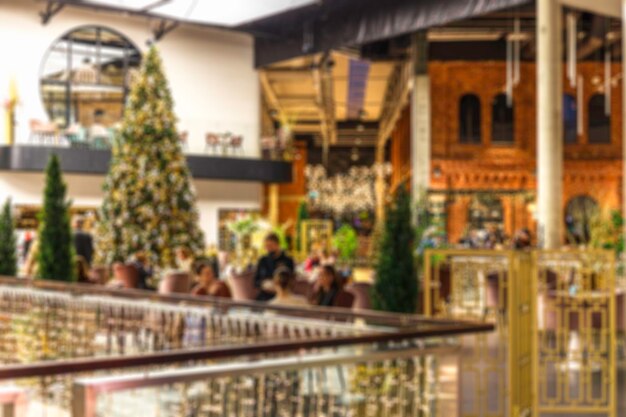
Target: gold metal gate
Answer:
pixel 554 348
pixel 575 337
pixel 495 369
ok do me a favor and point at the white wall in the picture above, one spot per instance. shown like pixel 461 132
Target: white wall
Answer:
pixel 86 191
pixel 211 74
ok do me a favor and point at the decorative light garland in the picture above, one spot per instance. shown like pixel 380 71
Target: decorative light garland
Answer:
pixel 343 193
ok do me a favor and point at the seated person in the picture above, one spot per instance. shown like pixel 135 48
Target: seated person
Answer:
pixel 268 264
pixel 327 287
pixel 283 282
pixel 207 282
pixel 144 271
pixel 184 259
pixel 312 262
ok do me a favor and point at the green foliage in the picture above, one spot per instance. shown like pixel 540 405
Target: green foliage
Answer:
pixel 8 258
pixel 395 288
pixel 606 231
pixel 303 214
pixel 282 236
pixel 243 226
pixel 346 241
pixel 55 258
pixel 149 202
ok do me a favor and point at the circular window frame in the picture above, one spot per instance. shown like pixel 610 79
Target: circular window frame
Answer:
pixel 41 74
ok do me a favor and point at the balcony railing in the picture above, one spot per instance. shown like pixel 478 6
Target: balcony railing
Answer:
pixel 367 382
pixel 60 343
pixel 79 160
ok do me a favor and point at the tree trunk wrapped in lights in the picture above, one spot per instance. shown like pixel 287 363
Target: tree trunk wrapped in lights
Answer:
pixel 395 288
pixel 149 204
pixel 55 256
pixel 8 257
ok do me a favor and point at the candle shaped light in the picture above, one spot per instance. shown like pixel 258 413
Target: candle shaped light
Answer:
pixel 10 105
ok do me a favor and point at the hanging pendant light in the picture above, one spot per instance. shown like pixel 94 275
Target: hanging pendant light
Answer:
pixel 513 59
pixel 516 51
pixel 607 78
pixel 509 73
pixel 579 106
pixel 572 44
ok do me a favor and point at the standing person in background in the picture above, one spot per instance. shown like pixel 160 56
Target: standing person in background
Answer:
pixel 28 241
pixel 267 266
pixel 83 242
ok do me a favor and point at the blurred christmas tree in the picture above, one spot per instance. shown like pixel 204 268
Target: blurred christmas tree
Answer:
pixel 55 256
pixel 395 288
pixel 8 258
pixel 149 203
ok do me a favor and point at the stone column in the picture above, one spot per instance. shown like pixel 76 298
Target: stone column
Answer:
pixel 272 204
pixel 420 118
pixel 549 124
pixel 379 186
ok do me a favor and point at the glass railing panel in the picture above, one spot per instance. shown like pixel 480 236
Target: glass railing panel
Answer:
pixel 367 381
pixel 40 325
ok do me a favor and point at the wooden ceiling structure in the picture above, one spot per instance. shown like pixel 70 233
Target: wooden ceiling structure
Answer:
pixel 315 93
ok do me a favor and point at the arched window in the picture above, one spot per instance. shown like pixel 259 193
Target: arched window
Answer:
pixel 579 214
pixel 502 121
pixel 469 119
pixel 86 76
pixel 599 122
pixel 570 119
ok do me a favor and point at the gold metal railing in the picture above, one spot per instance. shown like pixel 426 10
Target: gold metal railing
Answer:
pixel 486 286
pixel 576 335
pixel 555 346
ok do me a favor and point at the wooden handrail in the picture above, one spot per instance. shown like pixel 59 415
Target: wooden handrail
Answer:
pixel 401 327
pixel 326 313
pixel 220 352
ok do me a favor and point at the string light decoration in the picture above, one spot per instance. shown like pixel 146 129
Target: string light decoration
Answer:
pixel 343 193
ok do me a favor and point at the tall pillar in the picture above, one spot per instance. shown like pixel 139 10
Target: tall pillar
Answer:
pixel 420 118
pixel 379 186
pixel 549 125
pixel 273 213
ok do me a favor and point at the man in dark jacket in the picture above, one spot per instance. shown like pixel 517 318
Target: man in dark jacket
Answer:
pixel 83 242
pixel 266 266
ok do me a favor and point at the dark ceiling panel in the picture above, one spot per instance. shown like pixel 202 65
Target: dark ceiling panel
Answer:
pixel 342 23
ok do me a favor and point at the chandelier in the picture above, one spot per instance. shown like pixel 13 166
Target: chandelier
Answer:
pixel 352 191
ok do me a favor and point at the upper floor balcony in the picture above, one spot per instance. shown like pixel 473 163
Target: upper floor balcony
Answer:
pixel 221 156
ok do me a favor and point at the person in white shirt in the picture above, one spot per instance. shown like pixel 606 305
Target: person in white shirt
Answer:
pixel 283 282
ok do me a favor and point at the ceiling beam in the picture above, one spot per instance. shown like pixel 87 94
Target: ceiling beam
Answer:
pixel 270 95
pixel 610 8
pixel 155 4
pixel 323 84
pixel 396 97
pixel 163 28
pixel 52 8
pixel 135 12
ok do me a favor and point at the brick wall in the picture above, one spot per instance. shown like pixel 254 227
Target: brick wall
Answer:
pixel 590 169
